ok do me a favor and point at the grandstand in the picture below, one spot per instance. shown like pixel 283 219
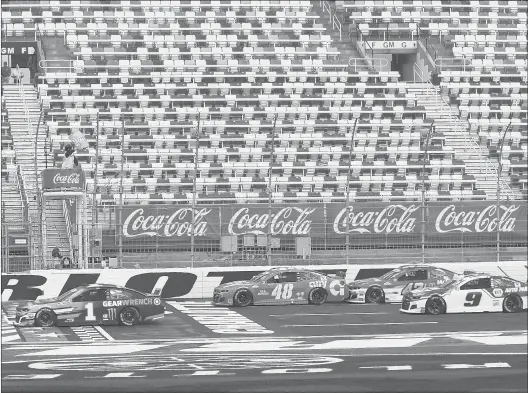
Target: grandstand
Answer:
pixel 283 102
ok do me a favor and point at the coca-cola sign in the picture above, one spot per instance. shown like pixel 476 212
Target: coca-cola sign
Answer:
pixel 56 179
pixel 167 222
pixel 364 219
pixel 457 218
pixel 284 221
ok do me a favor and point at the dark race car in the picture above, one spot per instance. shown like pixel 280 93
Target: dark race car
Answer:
pixel 282 286
pixel 391 286
pixel 96 304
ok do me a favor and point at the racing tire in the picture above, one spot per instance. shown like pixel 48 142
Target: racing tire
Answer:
pixel 242 298
pixel 129 316
pixel 317 296
pixel 45 317
pixel 512 303
pixel 435 306
pixel 375 295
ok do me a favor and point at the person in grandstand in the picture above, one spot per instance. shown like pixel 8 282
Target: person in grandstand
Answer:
pixel 6 73
pixel 70 161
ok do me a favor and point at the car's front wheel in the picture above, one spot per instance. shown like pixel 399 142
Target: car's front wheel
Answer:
pixel 45 317
pixel 129 316
pixel 242 298
pixel 375 295
pixel 435 306
pixel 317 296
pixel 512 303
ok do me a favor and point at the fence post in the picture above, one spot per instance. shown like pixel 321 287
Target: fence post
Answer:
pixel 347 215
pixel 94 194
pixel 499 171
pixel 121 192
pixel 194 188
pixel 426 147
pixel 270 193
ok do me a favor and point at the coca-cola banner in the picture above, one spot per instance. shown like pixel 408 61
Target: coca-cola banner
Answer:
pixel 374 218
pixel 169 221
pixel 376 221
pixel 285 220
pixel 57 179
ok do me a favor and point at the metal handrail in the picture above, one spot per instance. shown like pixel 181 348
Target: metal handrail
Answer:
pixel 489 167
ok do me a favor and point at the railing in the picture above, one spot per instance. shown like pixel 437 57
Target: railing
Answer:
pixel 489 168
pixel 69 229
pixel 68 64
pixel 27 217
pixel 449 63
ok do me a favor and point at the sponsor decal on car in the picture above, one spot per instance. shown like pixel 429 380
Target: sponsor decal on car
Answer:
pixel 128 302
pixel 262 292
pixel 497 292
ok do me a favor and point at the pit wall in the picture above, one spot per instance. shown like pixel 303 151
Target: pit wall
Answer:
pixel 199 283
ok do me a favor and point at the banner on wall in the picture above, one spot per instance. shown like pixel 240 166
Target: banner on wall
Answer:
pixel 325 220
pixel 55 179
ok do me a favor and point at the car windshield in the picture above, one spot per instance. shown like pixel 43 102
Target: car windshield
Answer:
pixel 391 274
pixel 66 295
pixel 259 277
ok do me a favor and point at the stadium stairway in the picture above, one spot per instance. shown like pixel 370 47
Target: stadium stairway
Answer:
pixel 12 207
pixel 457 136
pixel 23 107
pixel 343 44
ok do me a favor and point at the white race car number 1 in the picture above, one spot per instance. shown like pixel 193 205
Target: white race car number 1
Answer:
pixel 90 316
pixel 282 291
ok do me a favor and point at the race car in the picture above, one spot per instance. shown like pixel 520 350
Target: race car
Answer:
pixel 96 304
pixel 390 287
pixel 473 293
pixel 282 286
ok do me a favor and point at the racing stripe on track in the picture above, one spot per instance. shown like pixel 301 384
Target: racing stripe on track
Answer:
pixel 219 319
pixel 88 333
pixel 9 332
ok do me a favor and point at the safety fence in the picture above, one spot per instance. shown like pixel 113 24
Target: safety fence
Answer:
pixel 160 235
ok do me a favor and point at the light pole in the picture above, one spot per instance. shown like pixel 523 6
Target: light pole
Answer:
pixel 499 172
pixel 426 148
pixel 270 172
pixel 348 191
pixel 194 188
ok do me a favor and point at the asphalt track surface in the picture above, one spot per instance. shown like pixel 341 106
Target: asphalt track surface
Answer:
pixel 335 348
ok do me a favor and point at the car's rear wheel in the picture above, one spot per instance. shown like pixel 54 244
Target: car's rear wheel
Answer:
pixel 45 318
pixel 435 306
pixel 512 303
pixel 375 295
pixel 129 316
pixel 317 296
pixel 242 298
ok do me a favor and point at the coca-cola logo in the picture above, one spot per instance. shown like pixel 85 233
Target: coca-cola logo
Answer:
pixel 287 221
pixel 393 218
pixel 73 178
pixel 485 220
pixel 139 223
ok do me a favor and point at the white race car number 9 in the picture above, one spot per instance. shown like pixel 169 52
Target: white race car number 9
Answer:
pixel 282 291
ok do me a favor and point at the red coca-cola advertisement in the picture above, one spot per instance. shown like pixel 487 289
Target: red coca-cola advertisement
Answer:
pixel 59 179
pixel 285 220
pixel 371 222
pixel 169 221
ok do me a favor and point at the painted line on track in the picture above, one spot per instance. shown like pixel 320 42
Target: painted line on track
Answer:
pixel 361 324
pixel 324 314
pixel 199 340
pixel 104 333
